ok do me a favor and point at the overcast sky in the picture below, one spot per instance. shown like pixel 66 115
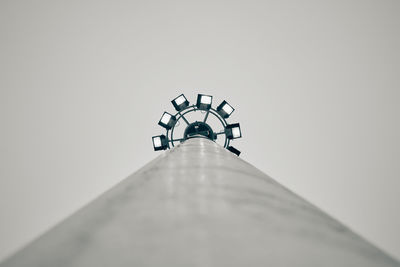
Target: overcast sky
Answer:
pixel 315 85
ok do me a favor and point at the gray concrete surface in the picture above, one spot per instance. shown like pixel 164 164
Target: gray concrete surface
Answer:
pixel 199 205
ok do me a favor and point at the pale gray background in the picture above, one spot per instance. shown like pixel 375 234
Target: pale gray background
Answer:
pixel 315 85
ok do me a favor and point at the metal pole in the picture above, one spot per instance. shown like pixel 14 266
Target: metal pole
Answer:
pixel 183 117
pixel 206 116
pixel 199 205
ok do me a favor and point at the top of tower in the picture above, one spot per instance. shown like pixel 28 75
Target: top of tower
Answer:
pixel 197 128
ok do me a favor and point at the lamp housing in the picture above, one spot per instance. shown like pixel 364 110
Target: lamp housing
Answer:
pixel 204 102
pixel 180 102
pixel 225 110
pixel 167 120
pixel 232 131
pixel 160 142
pixel 233 150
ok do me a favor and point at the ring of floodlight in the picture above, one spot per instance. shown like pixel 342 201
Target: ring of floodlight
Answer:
pixel 193 108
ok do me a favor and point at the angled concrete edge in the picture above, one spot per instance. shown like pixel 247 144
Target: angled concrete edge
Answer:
pixel 199 205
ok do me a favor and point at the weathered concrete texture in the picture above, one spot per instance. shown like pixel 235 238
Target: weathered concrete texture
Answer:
pixel 199 205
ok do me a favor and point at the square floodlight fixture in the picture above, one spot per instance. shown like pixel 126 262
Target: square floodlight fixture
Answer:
pixel 232 131
pixel 180 103
pixel 167 120
pixel 233 150
pixel 204 102
pixel 224 109
pixel 160 142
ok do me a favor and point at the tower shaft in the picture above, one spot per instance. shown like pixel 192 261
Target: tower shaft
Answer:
pixel 199 205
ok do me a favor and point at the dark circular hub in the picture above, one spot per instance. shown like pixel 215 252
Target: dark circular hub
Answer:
pixel 199 128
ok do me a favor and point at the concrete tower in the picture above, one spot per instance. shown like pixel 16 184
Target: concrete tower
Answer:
pixel 199 205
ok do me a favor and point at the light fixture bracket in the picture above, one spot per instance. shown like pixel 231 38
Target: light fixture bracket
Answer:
pixel 198 128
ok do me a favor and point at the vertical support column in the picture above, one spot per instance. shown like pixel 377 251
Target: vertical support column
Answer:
pixel 199 205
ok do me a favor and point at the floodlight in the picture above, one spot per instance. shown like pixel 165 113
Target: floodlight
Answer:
pixel 180 102
pixel 232 131
pixel 167 120
pixel 160 142
pixel 197 129
pixel 204 102
pixel 224 109
pixel 233 150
